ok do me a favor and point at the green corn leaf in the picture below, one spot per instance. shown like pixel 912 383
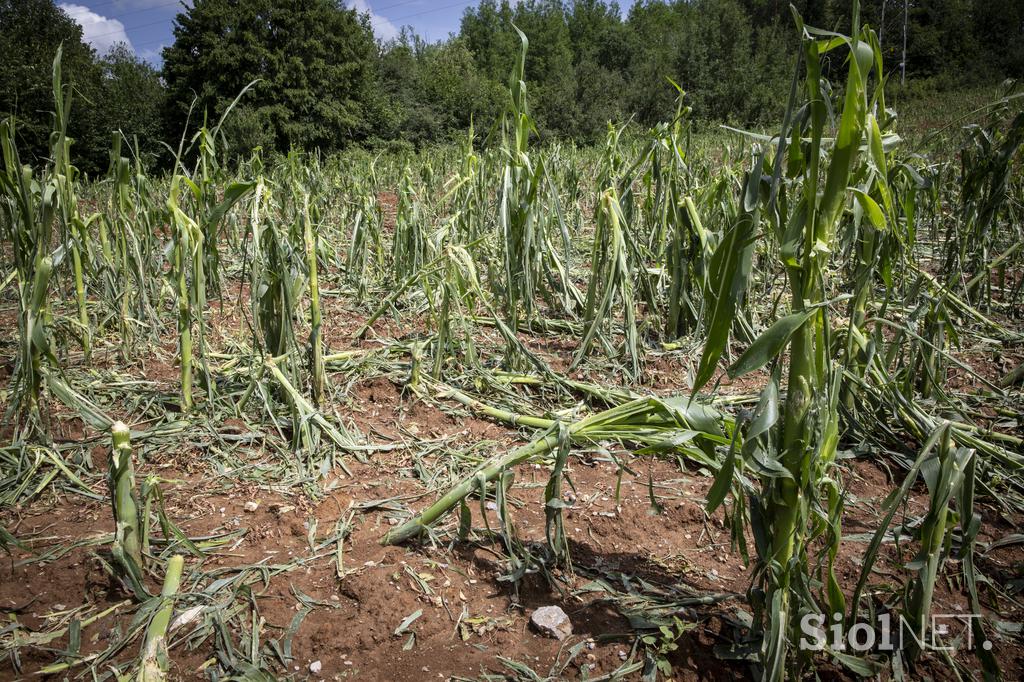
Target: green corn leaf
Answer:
pixel 730 267
pixel 859 665
pixel 871 209
pixel 724 478
pixel 232 195
pixel 769 344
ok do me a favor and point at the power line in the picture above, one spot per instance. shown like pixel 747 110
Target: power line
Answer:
pixel 141 10
pixel 93 6
pixel 158 41
pixel 381 9
pixel 436 9
pixel 124 29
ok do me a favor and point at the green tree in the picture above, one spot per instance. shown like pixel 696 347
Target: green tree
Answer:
pixel 431 92
pixel 118 92
pixel 487 31
pixel 999 30
pixel 314 59
pixel 30 33
pixel 655 33
pixel 711 49
pixel 939 37
pixel 132 101
pixel 574 65
pixel 454 89
pixel 551 82
pixel 598 38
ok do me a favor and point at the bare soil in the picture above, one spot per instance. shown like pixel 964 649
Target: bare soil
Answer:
pixel 470 617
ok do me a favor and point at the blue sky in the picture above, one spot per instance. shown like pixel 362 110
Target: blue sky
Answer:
pixel 146 24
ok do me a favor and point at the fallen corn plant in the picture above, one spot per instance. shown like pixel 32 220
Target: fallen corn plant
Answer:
pixel 657 424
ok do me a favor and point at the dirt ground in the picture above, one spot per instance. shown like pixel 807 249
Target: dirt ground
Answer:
pixel 470 619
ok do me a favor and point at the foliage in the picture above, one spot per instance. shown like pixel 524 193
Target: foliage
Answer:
pixel 116 91
pixel 431 92
pixel 314 61
pixel 326 84
pixel 132 103
pixel 30 33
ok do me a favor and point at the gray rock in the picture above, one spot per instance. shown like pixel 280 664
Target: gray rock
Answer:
pixel 551 621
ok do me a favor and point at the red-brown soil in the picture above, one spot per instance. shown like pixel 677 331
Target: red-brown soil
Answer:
pixel 470 617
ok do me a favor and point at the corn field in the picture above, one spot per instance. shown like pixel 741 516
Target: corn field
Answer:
pixel 744 404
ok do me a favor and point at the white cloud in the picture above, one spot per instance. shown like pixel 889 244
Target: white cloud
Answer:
pixel 138 6
pixel 382 27
pixel 99 31
pixel 153 55
pixel 141 3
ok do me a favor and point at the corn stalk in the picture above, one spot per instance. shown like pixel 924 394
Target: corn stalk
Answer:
pixel 154 665
pixel 648 421
pixel 128 528
pixel 30 208
pixel 801 500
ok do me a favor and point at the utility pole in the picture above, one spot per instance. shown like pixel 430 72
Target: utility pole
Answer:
pixel 881 27
pixel 903 62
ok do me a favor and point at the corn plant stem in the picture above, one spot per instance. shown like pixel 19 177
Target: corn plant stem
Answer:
pixel 391 298
pixel 316 350
pixel 890 509
pixel 934 349
pixel 489 472
pixel 255 376
pixel 1013 376
pixel 995 262
pixel 308 410
pixel 198 306
pixel 442 338
pixel 122 478
pixel 933 537
pixel 496 413
pixel 35 314
pixel 152 669
pixel 919 425
pixel 342 356
pixel 184 321
pixel 61 632
pixel 799 396
pixel 963 306
pixel 632 420
pixel 809 368
pixel 83 313
pixel 863 279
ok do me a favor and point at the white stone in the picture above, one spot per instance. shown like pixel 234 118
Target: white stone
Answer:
pixel 551 621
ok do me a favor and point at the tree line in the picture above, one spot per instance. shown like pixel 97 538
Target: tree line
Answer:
pixel 324 82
